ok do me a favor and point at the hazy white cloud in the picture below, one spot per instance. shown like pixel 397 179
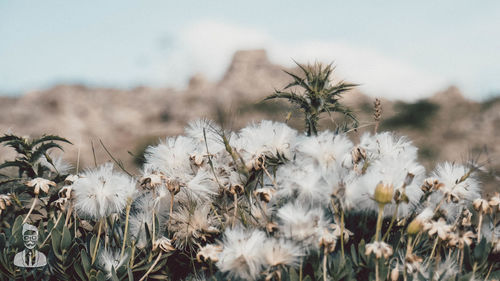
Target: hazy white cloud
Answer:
pixel 207 47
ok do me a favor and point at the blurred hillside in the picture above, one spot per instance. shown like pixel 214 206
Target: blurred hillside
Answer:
pixel 444 127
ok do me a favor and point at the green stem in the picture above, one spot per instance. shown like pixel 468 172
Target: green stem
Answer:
pixel 342 233
pixel 151 267
pixel 393 219
pixel 300 271
pixel 97 241
pixel 129 204
pixel 376 270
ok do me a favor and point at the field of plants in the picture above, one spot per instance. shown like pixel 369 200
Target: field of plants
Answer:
pixel 267 202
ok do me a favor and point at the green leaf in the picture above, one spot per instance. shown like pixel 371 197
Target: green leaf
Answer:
pixel 293 274
pixel 66 239
pixel 85 261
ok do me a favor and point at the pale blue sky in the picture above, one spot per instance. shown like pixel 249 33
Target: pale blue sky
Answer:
pixel 392 47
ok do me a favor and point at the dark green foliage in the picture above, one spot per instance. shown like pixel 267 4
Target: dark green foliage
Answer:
pixel 317 95
pixel 413 115
pixel 30 151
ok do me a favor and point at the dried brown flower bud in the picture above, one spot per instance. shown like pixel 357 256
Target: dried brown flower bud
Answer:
pixel 482 206
pixel 164 244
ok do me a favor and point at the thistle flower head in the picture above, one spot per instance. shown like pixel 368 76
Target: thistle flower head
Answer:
pixel 101 192
pixel 280 252
pixel 301 224
pixel 40 183
pixel 110 259
pixel 242 253
pixel 192 224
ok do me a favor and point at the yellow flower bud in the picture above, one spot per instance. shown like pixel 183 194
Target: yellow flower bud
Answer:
pixel 414 227
pixel 384 193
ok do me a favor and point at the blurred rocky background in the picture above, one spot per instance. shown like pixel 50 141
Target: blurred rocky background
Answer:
pixel 445 127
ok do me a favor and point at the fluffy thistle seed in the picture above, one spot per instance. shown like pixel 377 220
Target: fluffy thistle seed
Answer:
pixel 209 253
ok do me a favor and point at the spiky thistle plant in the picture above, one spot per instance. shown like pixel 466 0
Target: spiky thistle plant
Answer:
pixel 30 151
pixel 316 95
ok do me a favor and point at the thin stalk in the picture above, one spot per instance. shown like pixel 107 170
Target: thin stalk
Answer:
pixel 132 254
pixel 97 241
pixel 129 204
pixel 393 219
pixel 31 209
pixel 171 208
pixel 68 215
pixel 479 227
pixel 376 270
pixel 489 272
pixel 379 221
pixel 151 267
pixel 342 234
pixel 300 271
pixel 48 236
pixel 434 248
pixel 461 260
pixel 235 207
pixel 154 226
pixel 325 256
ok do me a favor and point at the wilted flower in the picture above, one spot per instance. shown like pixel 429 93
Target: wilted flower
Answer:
pixel 337 230
pixel 191 224
pixel 209 253
pixel 4 202
pixel 379 249
pixel 327 240
pixel 440 227
pixel 466 218
pixel 40 183
pixel 61 203
pixel 481 205
pixel 70 179
pixel 495 202
pixel 151 181
pixel 164 244
pixel 264 194
pixel 459 240
pixel 65 191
